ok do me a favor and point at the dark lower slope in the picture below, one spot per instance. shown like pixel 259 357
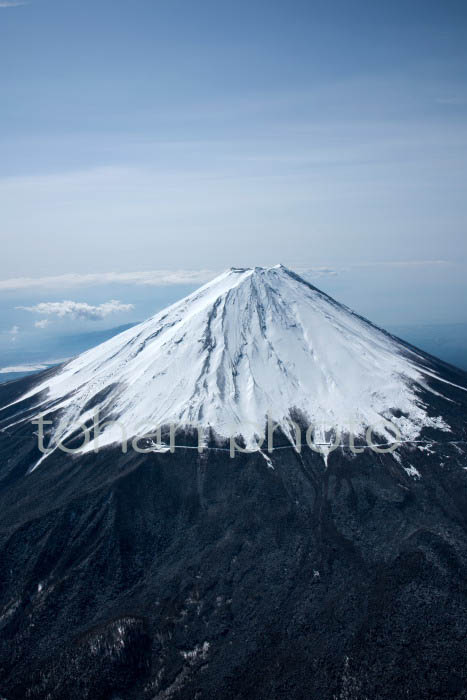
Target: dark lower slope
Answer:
pixel 185 576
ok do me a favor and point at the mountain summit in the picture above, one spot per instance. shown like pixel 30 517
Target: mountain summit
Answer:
pixel 255 343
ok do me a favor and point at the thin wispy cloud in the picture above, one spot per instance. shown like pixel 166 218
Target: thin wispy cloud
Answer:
pixel 452 100
pixel 403 263
pixel 317 271
pixel 78 309
pixel 23 368
pixel 12 3
pixel 327 271
pixel 150 277
pixel 165 278
pixel 43 323
pixel 13 333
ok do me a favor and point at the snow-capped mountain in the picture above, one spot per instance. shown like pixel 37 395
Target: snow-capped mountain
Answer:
pixel 253 343
pixel 185 575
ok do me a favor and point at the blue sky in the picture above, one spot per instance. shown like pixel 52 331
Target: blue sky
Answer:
pixel 175 135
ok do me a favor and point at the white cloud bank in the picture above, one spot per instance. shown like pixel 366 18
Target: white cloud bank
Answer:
pixel 77 309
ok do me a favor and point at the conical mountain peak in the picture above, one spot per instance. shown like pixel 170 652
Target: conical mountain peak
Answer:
pixel 252 344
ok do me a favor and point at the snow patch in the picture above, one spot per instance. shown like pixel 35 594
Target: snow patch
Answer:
pixel 414 473
pixel 199 652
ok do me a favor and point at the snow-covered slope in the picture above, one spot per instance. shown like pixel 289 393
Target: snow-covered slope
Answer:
pixel 252 343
